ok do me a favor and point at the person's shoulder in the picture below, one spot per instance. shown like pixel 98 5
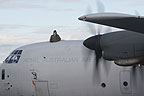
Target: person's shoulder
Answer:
pixel 57 35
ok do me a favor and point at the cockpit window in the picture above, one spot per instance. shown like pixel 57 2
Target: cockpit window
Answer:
pixel 14 57
pixel 20 51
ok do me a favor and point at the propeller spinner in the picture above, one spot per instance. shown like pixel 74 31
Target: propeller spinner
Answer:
pixel 93 43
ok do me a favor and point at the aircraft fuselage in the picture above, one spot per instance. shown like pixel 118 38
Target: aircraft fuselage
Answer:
pixel 65 68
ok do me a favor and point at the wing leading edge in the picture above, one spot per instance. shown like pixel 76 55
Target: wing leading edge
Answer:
pixel 118 20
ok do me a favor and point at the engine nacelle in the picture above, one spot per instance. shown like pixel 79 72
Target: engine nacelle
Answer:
pixel 125 48
pixel 129 62
pixel 123 51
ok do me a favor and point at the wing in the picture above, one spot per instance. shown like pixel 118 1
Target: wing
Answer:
pixel 118 20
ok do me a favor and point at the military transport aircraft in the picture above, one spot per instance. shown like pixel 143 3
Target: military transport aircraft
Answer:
pixel 103 65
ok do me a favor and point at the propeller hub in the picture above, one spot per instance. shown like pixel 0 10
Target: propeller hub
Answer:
pixel 93 43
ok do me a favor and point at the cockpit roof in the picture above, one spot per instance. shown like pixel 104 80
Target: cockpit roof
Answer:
pixel 48 44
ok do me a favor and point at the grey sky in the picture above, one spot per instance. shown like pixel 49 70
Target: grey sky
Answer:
pixel 29 21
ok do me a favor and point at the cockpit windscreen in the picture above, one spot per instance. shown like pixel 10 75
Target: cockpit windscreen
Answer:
pixel 14 57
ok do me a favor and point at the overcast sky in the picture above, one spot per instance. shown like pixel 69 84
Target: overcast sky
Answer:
pixel 28 21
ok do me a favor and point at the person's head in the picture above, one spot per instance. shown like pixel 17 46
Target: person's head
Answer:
pixel 54 32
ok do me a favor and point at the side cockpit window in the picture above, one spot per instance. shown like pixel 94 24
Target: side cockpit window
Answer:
pixel 14 57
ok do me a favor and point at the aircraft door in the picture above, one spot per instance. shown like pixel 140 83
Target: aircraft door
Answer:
pixel 9 81
pixel 4 84
pixel 125 83
pixel 41 88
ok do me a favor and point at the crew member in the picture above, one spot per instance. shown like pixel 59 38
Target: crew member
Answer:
pixel 55 37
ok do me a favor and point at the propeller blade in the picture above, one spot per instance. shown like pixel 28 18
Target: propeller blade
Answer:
pixel 142 72
pixel 93 43
pixel 91 28
pixel 89 10
pixel 106 66
pixel 137 13
pixel 96 72
pixel 99 29
pixel 87 53
pixel 100 6
pixel 108 30
pixel 133 69
pixel 137 75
